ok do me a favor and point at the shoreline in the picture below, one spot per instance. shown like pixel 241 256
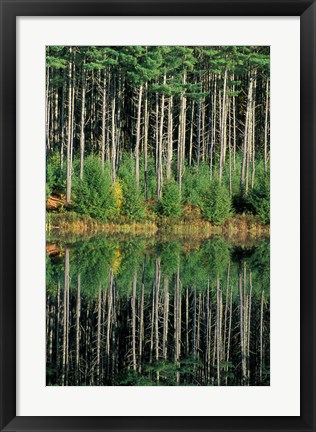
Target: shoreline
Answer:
pixel 73 223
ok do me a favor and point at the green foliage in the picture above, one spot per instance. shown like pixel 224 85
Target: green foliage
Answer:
pixel 55 176
pixel 196 183
pixel 151 178
pixel 170 255
pixel 132 207
pixel 259 198
pixel 217 206
pixel 50 179
pixel 93 195
pixel 159 70
pixel 92 261
pixel 216 257
pixel 170 204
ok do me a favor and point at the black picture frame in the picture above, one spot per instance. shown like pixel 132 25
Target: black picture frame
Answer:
pixel 10 9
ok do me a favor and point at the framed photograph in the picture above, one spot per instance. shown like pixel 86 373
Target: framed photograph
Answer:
pixel 157 222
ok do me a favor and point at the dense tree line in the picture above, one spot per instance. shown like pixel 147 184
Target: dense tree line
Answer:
pixel 133 124
pixel 119 314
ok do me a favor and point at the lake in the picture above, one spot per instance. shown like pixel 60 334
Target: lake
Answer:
pixel 136 311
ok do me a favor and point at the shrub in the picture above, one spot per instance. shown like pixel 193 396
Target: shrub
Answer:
pixel 55 176
pixel 93 195
pixel 196 183
pixel 217 206
pixel 170 204
pixel 259 198
pixel 132 204
pixel 118 193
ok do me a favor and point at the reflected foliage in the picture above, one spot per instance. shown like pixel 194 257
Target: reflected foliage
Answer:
pixel 152 312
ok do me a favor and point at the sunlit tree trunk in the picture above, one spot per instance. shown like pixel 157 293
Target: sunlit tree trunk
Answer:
pixel 104 117
pixel 266 127
pixel 245 154
pixel 213 139
pixel 253 137
pixel 198 132
pixel 139 110
pixel 230 150
pixel 223 129
pixel 234 125
pixel 70 129
pixel 62 121
pixel 159 165
pixel 146 126
pixel 56 118
pixel 191 133
pixel 170 138
pixel 83 118
pixel 181 132
pixel 113 133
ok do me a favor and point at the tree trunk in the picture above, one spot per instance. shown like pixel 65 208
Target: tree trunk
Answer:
pixel 170 139
pixel 266 128
pixel 62 121
pixel 146 125
pixel 223 130
pixel 99 335
pixel 104 117
pixel 70 129
pixel 159 172
pixel 261 335
pixel 139 110
pixel 134 320
pixel 83 118
pixel 181 132
pixel 65 318
pixel 113 155
pixel 246 136
pixel 165 318
pixel 254 130
pixel 78 312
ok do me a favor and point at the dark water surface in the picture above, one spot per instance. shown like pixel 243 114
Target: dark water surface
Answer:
pixel 139 311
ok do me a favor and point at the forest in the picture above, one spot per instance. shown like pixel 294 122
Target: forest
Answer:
pixel 158 215
pixel 147 313
pixel 136 133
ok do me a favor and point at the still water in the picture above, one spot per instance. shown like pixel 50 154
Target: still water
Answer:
pixel 145 312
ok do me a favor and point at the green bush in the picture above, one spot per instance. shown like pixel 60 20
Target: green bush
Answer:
pixel 217 206
pixel 93 195
pixel 170 204
pixel 132 206
pixel 259 198
pixel 55 176
pixel 196 183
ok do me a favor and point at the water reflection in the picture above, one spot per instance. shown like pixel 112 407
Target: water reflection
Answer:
pixel 138 312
